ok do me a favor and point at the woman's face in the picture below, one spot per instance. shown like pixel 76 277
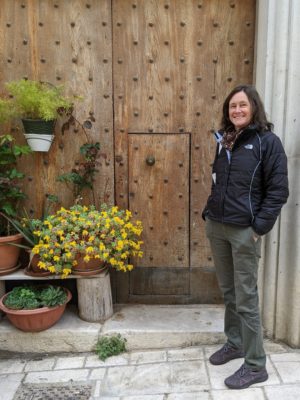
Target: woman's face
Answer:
pixel 240 113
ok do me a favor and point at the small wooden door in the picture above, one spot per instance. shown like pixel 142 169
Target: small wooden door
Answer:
pixel 159 196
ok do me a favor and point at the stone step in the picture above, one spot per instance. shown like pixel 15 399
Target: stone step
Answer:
pixel 143 326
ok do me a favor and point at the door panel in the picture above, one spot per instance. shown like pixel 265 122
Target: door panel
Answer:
pixel 159 196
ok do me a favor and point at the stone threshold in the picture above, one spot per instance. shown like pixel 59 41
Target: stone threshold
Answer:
pixel 143 326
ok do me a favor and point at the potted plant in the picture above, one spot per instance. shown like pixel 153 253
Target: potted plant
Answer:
pixel 38 104
pixel 10 194
pixel 35 308
pixel 83 240
pixel 26 226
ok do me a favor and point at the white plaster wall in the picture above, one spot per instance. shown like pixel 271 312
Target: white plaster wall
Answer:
pixel 277 78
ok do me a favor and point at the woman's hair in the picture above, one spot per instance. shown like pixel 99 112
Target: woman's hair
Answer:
pixel 259 117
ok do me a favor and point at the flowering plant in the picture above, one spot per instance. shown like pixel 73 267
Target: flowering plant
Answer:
pixel 108 234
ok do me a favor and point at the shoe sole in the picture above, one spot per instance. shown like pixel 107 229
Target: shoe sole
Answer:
pixel 228 359
pixel 263 379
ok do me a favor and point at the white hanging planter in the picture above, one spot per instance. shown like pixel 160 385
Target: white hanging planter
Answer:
pixel 39 142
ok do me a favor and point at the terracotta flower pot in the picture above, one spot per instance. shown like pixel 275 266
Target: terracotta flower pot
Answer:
pixel 33 269
pixel 9 253
pixel 94 266
pixel 35 320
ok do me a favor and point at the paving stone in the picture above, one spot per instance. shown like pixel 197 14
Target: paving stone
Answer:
pixel 39 365
pixel 144 397
pixel 146 357
pixel 94 361
pixel 245 394
pixel 286 392
pixel 189 375
pixel 105 398
pixel 188 353
pixel 289 371
pixel 189 396
pixel 218 373
pixel 57 376
pixel 69 362
pixel 294 357
pixel 155 379
pixel 9 385
pixel 11 366
pixel 97 373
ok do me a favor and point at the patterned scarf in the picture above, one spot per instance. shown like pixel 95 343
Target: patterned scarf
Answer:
pixel 229 138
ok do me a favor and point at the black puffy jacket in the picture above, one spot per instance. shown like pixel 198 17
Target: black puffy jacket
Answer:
pixel 251 188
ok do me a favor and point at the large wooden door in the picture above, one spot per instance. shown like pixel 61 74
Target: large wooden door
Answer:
pixel 173 64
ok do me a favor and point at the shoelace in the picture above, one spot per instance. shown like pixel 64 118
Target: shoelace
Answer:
pixel 225 348
pixel 242 370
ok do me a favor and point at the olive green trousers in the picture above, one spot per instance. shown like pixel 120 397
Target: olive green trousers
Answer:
pixel 236 252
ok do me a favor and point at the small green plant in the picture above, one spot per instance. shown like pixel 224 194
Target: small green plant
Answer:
pixel 30 297
pixel 27 226
pixel 34 100
pixel 53 296
pixel 108 346
pixel 83 174
pixel 10 177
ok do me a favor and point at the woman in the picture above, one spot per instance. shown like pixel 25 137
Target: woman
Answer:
pixel 249 187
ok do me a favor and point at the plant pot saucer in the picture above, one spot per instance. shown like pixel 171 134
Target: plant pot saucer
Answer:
pixel 9 270
pixel 28 271
pixel 90 272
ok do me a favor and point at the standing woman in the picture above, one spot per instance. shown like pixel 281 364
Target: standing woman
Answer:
pixel 249 187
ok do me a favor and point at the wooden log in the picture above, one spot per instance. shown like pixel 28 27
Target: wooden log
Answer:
pixel 94 298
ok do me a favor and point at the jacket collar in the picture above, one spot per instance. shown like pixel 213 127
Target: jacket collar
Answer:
pixel 247 133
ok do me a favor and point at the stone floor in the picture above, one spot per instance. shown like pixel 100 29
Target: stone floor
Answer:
pixel 161 374
pixel 166 359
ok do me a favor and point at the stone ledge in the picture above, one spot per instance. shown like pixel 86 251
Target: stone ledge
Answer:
pixel 144 327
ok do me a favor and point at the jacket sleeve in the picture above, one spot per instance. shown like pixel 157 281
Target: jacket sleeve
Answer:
pixel 274 186
pixel 205 210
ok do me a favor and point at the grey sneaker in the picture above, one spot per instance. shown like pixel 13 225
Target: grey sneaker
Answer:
pixel 245 377
pixel 225 354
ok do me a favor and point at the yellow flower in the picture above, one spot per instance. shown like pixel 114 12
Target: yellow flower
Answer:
pixel 85 232
pixel 114 210
pixel 120 245
pixel 69 255
pixel 42 265
pixel 86 258
pixel 101 246
pixel 128 214
pixel 56 258
pixel 91 238
pixel 36 250
pixel 129 267
pixel 37 233
pixel 89 249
